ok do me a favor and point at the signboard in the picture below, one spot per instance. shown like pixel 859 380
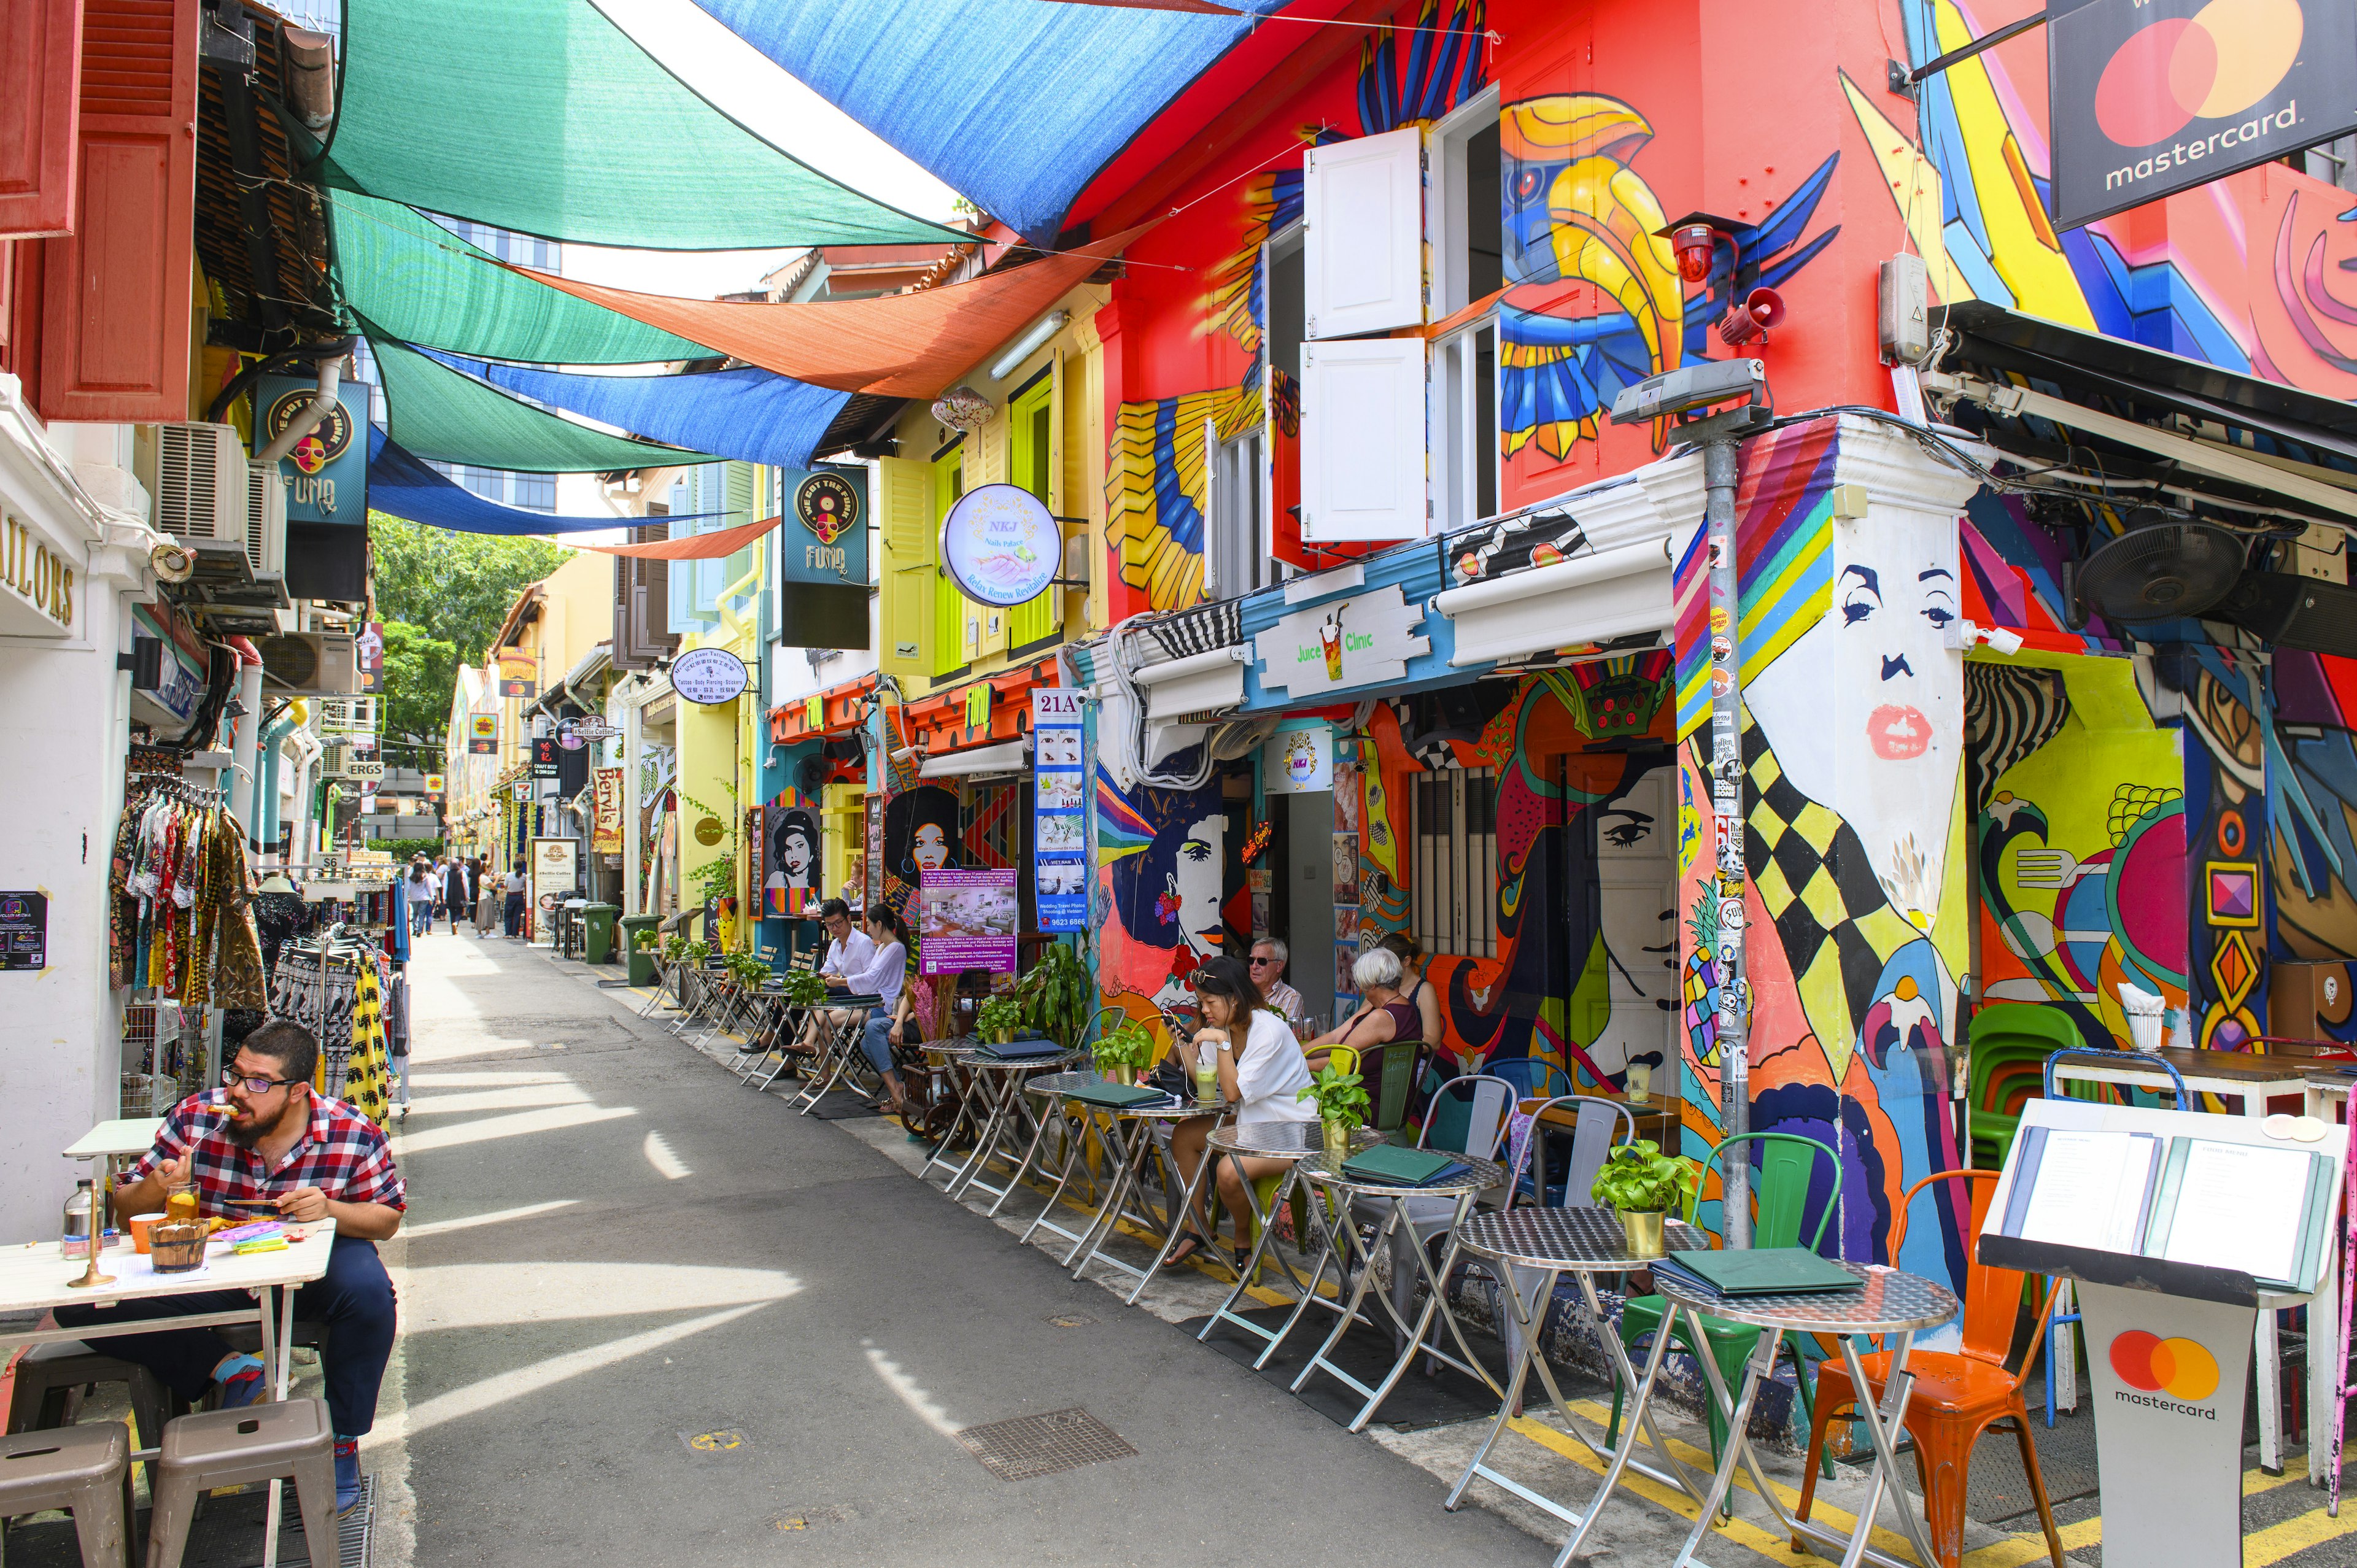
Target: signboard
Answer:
pixel 708 676
pixel 39 579
pixel 325 476
pixel 24 931
pixel 2148 98
pixel 1059 832
pixel 367 655
pixel 606 829
pixel 1000 546
pixel 1300 760
pixel 482 734
pixel 965 919
pixel 826 538
pixel 519 675
pixel 873 889
pixel 433 786
pixel 1358 642
pixel 556 868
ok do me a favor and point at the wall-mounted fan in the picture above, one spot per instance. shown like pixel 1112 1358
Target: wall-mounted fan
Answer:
pixel 2164 565
pixel 810 775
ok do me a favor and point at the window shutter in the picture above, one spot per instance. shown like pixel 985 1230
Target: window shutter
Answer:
pixel 1362 463
pixel 905 574
pixel 115 329
pixel 40 114
pixel 1363 260
pixel 738 484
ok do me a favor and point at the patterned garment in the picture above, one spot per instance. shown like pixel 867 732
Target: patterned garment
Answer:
pixel 122 902
pixel 368 1071
pixel 237 978
pixel 342 1154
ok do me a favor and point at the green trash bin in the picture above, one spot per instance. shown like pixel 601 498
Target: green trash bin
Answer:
pixel 598 931
pixel 642 959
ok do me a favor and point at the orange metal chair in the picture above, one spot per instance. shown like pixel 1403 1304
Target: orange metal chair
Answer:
pixel 1958 1395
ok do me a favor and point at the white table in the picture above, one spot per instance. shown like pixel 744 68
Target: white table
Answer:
pixel 35 1277
pixel 131 1136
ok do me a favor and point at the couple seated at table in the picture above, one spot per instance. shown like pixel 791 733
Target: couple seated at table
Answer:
pixel 859 962
pixel 268 1140
pixel 1260 1073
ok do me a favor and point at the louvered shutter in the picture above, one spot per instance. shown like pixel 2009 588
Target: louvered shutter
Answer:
pixel 40 112
pixel 120 287
pixel 738 492
pixel 905 574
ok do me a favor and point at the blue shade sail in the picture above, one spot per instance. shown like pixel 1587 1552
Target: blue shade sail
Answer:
pixel 1014 104
pixel 403 486
pixel 754 415
pixel 438 413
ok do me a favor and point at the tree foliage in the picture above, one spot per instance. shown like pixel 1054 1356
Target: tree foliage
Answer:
pixel 453 587
pixel 420 670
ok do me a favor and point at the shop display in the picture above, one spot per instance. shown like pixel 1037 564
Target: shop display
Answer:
pixel 181 899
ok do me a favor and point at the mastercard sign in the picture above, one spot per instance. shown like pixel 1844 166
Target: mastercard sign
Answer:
pixel 2176 1367
pixel 2151 97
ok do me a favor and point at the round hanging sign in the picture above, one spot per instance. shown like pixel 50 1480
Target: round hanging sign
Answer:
pixel 1000 546
pixel 708 675
pixel 827 506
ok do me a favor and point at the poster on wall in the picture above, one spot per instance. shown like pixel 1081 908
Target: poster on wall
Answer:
pixel 606 830
pixel 1299 758
pixel 482 734
pixel 23 930
pixel 965 919
pixel 792 881
pixel 368 656
pixel 1060 821
pixel 872 878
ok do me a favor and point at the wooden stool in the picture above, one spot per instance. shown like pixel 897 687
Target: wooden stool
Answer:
pixel 84 1468
pixel 290 1440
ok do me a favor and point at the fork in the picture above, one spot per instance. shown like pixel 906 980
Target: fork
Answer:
pixel 2054 868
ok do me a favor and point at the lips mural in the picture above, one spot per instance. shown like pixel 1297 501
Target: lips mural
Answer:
pixel 1898 733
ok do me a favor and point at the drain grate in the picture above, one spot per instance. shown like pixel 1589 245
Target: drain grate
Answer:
pixel 1032 1445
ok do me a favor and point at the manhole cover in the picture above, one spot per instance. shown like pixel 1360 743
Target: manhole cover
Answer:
pixel 713 1441
pixel 1032 1445
pixel 1071 1320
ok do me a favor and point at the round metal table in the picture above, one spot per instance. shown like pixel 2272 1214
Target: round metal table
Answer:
pixel 998 1083
pixel 1343 1244
pixel 1889 1302
pixel 1528 1250
pixel 1129 1136
pixel 1275 1141
pixel 955 1055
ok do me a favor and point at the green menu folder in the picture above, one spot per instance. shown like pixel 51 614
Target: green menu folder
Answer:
pixel 1766 1270
pixel 1115 1096
pixel 1392 1165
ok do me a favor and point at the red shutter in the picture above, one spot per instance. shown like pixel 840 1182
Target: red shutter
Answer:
pixel 20 315
pixel 118 290
pixel 40 59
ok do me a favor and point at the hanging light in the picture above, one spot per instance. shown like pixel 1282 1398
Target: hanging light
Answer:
pixel 1028 344
pixel 962 408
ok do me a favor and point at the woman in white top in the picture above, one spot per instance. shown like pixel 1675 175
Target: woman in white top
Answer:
pixel 883 975
pixel 1262 1079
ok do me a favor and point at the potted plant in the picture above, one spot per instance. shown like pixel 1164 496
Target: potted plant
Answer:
pixel 1644 1185
pixel 1342 1098
pixel 998 1019
pixel 1124 1049
pixel 1056 995
pixel 803 988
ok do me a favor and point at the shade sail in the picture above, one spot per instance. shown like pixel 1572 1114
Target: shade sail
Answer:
pixel 1016 104
pixel 425 284
pixel 436 413
pixel 897 345
pixel 402 485
pixel 715 546
pixel 750 414
pixel 543 117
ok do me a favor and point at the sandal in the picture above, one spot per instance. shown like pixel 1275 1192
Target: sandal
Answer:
pixel 1191 1243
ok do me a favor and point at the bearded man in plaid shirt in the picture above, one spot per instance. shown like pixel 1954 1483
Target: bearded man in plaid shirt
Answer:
pixel 265 1139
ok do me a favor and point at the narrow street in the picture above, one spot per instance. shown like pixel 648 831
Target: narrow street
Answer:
pixel 613 1250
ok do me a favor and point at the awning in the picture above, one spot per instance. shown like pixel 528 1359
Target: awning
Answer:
pixel 1009 757
pixel 838 709
pixel 1197 683
pixel 438 414
pixel 401 485
pixel 543 117
pixel 1592 597
pixel 901 345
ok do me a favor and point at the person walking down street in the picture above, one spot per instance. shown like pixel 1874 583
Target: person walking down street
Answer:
pixel 516 889
pixel 267 1139
pixel 457 891
pixel 490 893
pixel 418 896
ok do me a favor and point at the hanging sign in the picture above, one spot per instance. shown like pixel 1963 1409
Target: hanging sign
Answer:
pixel 482 734
pixel 368 656
pixel 965 919
pixel 433 786
pixel 1000 546
pixel 24 931
pixel 827 539
pixel 519 673
pixel 1357 642
pixel 544 757
pixel 2146 98
pixel 708 676
pixel 606 825
pixel 1060 842
pixel 1300 760
pixel 325 476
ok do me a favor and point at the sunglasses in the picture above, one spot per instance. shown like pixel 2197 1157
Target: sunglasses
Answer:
pixel 1257 961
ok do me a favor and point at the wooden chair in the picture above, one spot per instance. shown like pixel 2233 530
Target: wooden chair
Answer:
pixel 1958 1394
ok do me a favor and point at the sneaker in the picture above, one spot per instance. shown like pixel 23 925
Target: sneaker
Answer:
pixel 347 1475
pixel 241 1381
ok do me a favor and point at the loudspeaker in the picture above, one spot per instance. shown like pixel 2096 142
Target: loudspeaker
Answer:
pixel 2303 613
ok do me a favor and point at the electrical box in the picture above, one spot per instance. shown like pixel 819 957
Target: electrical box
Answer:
pixel 1903 310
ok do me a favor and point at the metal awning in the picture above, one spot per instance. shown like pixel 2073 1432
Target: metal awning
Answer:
pixel 975 762
pixel 1593 597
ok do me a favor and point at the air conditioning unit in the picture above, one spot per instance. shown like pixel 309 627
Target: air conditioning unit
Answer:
pixel 197 474
pixel 309 664
pixel 347 716
pixel 265 521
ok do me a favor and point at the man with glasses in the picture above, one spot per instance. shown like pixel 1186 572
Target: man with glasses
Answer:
pixel 1268 959
pixel 266 1143
pixel 849 952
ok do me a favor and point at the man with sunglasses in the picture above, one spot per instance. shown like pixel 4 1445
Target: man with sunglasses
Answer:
pixel 266 1143
pixel 1268 956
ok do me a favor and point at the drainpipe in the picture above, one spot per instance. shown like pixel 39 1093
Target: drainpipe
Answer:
pixel 331 371
pixel 266 812
pixel 243 750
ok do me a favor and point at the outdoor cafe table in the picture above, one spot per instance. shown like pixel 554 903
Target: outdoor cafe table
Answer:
pixel 1277 1141
pixel 954 1056
pixel 1528 1250
pixel 999 1093
pixel 35 1278
pixel 1889 1302
pixel 1326 1170
pixel 1128 1139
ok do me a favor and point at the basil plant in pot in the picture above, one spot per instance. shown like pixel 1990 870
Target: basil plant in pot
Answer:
pixel 997 1019
pixel 1122 1050
pixel 1342 1098
pixel 1644 1185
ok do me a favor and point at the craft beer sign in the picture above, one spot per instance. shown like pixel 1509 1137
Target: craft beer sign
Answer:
pixel 2151 97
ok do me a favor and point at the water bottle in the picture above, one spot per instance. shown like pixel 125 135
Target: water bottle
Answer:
pixel 77 1226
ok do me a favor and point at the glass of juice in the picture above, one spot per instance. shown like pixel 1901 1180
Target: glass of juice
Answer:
pixel 1207 1073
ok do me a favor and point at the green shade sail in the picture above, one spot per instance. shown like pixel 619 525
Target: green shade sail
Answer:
pixel 543 117
pixel 418 282
pixel 437 414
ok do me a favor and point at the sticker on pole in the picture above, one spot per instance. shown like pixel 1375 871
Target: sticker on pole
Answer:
pixel 1000 546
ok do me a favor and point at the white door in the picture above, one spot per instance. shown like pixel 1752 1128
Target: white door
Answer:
pixel 1362 205
pixel 1362 469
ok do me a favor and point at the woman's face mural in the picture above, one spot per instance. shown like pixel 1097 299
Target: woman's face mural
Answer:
pixel 1192 892
pixel 929 846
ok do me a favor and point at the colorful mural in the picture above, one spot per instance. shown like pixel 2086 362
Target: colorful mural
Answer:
pixel 1162 856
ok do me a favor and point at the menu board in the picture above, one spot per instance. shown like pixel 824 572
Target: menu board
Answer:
pixel 1060 823
pixel 965 919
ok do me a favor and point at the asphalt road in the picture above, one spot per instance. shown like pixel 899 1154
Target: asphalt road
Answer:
pixel 613 1250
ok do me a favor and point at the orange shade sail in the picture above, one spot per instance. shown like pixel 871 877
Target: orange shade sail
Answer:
pixel 698 547
pixel 898 345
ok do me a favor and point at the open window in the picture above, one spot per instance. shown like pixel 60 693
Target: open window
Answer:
pixel 1233 562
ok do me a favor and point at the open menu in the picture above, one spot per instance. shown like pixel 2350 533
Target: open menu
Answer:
pixel 2189 1200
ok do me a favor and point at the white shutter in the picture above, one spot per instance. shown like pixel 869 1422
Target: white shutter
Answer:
pixel 1215 562
pixel 1363 440
pixel 1363 263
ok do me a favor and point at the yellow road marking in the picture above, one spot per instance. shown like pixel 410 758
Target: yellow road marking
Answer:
pixel 1741 1531
pixel 2278 1541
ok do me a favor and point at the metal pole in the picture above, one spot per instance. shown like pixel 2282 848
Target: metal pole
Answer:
pixel 1721 473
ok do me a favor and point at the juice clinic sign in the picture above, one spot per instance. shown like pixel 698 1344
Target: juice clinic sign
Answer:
pixel 1001 546
pixel 2149 98
pixel 1356 641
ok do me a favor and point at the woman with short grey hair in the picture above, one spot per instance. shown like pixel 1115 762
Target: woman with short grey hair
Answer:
pixel 1376 974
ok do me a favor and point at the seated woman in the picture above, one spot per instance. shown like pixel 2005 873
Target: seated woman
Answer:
pixel 884 976
pixel 1261 1070
pixel 1387 1016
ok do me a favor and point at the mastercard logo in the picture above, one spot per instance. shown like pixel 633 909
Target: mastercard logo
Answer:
pixel 2213 65
pixel 2178 1368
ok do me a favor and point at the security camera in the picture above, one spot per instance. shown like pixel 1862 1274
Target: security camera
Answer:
pixel 1690 389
